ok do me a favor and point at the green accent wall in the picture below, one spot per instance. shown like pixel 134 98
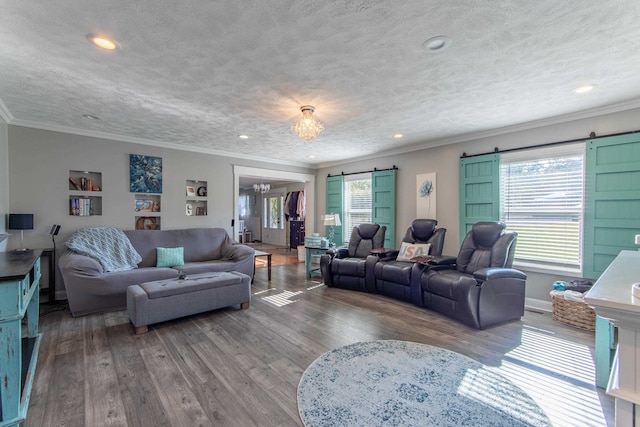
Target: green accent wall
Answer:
pixel 612 200
pixel 479 190
pixel 383 193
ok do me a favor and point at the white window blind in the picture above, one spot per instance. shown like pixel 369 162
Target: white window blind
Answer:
pixel 357 202
pixel 542 200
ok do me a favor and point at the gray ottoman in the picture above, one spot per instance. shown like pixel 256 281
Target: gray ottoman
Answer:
pixel 161 300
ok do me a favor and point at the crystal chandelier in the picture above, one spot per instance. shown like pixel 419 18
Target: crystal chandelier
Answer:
pixel 261 188
pixel 307 127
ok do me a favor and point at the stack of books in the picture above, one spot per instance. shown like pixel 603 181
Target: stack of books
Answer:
pixel 80 207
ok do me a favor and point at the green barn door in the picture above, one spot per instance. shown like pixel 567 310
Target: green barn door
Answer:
pixel 334 189
pixel 383 189
pixel 612 200
pixel 479 190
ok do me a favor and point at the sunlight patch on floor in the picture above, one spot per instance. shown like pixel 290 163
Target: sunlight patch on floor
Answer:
pixel 483 385
pixel 557 355
pixel 559 375
pixel 281 299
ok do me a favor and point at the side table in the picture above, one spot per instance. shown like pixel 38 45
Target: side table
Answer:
pixel 268 256
pixel 313 251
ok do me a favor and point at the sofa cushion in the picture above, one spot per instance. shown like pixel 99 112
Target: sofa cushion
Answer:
pixel 170 257
pixel 206 267
pixel 200 244
pixel 394 271
pixel 349 267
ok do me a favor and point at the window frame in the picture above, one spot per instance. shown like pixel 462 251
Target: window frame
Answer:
pixel 575 150
pixel 347 223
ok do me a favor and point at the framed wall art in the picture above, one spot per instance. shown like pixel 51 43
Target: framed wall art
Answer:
pixel 426 195
pixel 145 174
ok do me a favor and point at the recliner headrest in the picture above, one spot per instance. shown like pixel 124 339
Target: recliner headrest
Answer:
pixel 367 231
pixel 485 234
pixel 423 229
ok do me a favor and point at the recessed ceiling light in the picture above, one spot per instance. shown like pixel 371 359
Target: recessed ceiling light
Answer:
pixel 243 136
pixel 398 135
pixel 436 44
pixel 103 41
pixel 312 156
pixel 585 88
pixel 91 117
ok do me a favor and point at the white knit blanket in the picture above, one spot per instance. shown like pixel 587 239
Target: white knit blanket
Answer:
pixel 108 245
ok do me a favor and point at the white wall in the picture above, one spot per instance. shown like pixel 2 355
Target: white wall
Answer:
pixel 39 164
pixel 444 162
pixel 4 179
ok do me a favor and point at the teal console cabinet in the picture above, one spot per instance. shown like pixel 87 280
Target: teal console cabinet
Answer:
pixel 19 296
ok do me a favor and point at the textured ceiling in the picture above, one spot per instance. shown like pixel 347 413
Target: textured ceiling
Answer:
pixel 198 73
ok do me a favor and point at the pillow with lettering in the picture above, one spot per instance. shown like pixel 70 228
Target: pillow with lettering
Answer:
pixel 410 250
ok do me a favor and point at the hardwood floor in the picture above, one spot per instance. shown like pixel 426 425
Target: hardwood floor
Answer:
pixel 234 367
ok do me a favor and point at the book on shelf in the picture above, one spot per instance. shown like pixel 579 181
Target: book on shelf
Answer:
pixel 74 184
pixel 83 184
pixel 80 207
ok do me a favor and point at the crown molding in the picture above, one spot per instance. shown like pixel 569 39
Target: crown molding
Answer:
pixel 565 118
pixel 142 141
pixel 5 113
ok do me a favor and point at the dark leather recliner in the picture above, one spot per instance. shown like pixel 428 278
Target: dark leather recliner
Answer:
pixel 393 277
pixel 347 267
pixel 479 287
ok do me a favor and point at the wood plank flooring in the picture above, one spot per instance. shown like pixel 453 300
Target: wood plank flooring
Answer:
pixel 236 367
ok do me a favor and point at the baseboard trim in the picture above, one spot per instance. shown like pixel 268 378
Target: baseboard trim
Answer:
pixel 537 305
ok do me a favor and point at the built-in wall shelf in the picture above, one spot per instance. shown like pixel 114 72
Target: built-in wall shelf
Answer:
pixel 147 209
pixel 196 201
pixel 85 193
pixel 151 222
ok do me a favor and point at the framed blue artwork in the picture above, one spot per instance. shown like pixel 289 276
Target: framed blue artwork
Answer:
pixel 145 174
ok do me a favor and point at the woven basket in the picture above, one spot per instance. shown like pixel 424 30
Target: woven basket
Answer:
pixel 573 313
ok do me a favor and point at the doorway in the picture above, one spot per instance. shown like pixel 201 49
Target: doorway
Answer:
pixel 273 222
pixel 278 179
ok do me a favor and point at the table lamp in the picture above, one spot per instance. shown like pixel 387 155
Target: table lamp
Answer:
pixel 21 222
pixel 331 220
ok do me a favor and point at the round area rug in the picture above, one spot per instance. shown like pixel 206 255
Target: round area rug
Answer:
pixel 400 383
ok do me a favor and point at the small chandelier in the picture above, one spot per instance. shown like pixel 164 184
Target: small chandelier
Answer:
pixel 261 188
pixel 307 127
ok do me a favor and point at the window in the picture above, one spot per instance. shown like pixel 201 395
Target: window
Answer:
pixel 357 202
pixel 363 197
pixel 243 202
pixel 541 198
pixel 273 212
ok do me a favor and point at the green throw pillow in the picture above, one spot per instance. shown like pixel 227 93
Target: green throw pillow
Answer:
pixel 170 257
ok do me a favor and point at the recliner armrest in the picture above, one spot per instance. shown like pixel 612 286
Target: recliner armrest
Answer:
pixel 443 260
pixel 485 274
pixel 340 252
pixel 390 256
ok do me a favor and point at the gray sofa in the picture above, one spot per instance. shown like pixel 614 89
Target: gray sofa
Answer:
pixel 92 290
